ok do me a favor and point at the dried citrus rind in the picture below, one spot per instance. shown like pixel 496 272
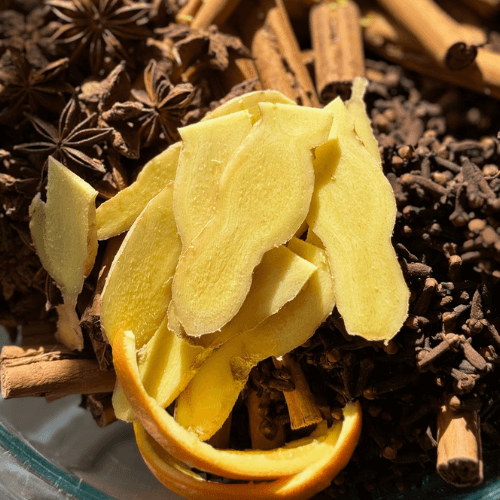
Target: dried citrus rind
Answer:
pixel 294 457
pixel 209 398
pixel 353 212
pixel 264 196
pixel 180 479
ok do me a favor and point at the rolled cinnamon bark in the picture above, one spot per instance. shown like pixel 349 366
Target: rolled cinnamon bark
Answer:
pixel 338 48
pixel 267 32
pixel 50 370
pixel 437 32
pixel 101 407
pixel 301 403
pixel 459 451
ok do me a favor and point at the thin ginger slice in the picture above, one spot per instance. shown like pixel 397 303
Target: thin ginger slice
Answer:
pixel 201 162
pixel 185 446
pixel 179 478
pixel 168 362
pixel 264 196
pixel 353 212
pixel 209 398
pixel 249 102
pixel 64 234
pixel 117 215
pixel 138 287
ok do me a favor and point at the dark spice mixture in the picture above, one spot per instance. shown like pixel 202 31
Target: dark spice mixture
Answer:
pixel 105 98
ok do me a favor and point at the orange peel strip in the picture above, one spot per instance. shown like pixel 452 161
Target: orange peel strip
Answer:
pixel 186 446
pixel 302 486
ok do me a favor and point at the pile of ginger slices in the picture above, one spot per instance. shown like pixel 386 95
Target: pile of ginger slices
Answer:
pixel 213 277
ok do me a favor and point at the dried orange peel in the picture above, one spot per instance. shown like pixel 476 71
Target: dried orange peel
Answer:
pixel 180 479
pixel 185 446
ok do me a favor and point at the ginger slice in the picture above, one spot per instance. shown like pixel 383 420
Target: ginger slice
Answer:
pixel 353 212
pixel 138 287
pixel 249 102
pixel 119 213
pixel 264 196
pixel 64 234
pixel 209 398
pixel 200 166
pixel 179 478
pixel 168 362
pixel 185 446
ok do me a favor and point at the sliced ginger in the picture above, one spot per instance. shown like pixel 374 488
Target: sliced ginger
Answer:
pixel 64 234
pixel 168 362
pixel 200 166
pixel 264 196
pixel 119 213
pixel 353 212
pixel 209 398
pixel 138 287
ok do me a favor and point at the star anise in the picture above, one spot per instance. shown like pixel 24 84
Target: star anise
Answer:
pixel 71 140
pixel 110 99
pixel 29 34
pixel 206 48
pixel 101 26
pixel 164 105
pixel 24 85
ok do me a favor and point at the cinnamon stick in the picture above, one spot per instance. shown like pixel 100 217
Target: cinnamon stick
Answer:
pixel 338 48
pixel 459 452
pixel 437 32
pixel 388 38
pixel 301 403
pixel 267 32
pixel 100 407
pixel 50 370
pixel 262 440
pixel 220 439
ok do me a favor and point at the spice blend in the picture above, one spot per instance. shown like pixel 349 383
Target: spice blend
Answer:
pixel 104 98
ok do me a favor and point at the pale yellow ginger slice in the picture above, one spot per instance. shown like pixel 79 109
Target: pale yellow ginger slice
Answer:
pixel 356 109
pixel 209 398
pixel 168 362
pixel 353 212
pixel 249 102
pixel 137 290
pixel 264 196
pixel 64 234
pixel 201 162
pixel 119 213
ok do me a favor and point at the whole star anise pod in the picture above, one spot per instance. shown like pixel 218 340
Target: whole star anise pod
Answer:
pixel 164 104
pixel 71 140
pixel 100 26
pixel 21 85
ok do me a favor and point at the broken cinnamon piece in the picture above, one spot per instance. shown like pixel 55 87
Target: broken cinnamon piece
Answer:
pixel 391 40
pixel 264 433
pixel 91 318
pixel 213 12
pixel 101 408
pixel 338 48
pixel 459 453
pixel 52 370
pixel 301 404
pixel 267 32
pixel 438 33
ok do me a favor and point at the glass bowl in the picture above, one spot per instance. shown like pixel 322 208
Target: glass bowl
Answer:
pixel 55 451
